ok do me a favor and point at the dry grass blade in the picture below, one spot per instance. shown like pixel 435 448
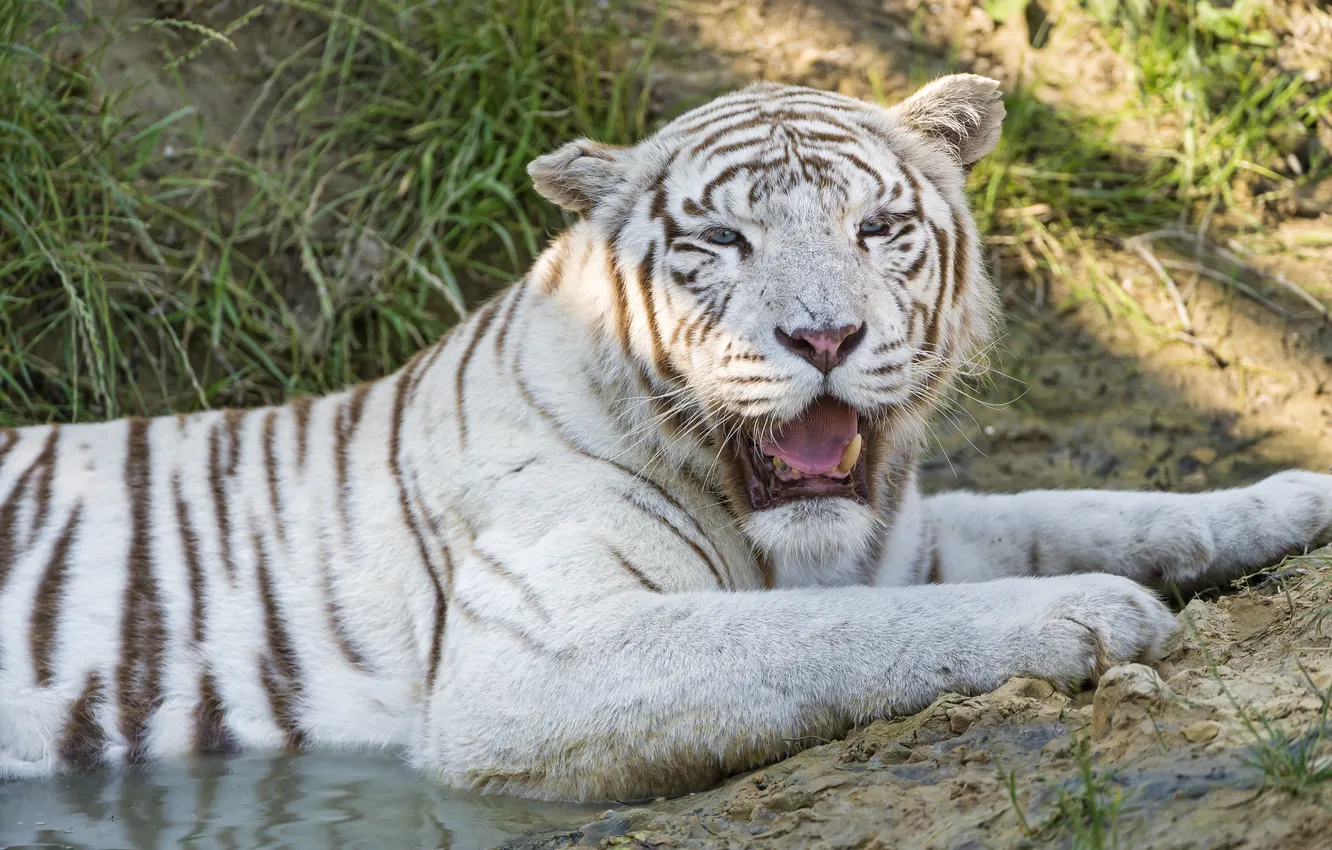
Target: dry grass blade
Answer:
pixel 1203 247
pixel 1141 248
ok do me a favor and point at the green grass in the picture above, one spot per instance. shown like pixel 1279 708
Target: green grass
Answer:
pixel 388 193
pixel 1222 123
pixel 1088 812
pixel 1215 128
pixel 144 269
pixel 1297 764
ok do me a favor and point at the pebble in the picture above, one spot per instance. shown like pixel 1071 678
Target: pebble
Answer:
pixel 1201 730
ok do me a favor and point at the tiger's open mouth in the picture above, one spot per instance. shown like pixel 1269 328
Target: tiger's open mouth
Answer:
pixel 818 453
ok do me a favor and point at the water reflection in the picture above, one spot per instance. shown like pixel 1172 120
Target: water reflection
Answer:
pixel 312 800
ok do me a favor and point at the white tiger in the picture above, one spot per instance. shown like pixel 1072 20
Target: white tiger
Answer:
pixel 643 520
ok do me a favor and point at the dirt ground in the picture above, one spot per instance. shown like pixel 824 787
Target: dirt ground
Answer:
pixel 1080 396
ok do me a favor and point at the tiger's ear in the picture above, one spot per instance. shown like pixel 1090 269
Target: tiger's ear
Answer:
pixel 962 112
pixel 579 174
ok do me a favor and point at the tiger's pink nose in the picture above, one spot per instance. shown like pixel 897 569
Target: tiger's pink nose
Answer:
pixel 824 348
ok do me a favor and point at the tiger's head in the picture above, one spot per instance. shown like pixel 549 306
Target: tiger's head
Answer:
pixel 795 275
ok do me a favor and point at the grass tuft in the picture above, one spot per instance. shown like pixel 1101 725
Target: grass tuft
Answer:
pixel 1091 812
pixel 146 270
pixel 1297 764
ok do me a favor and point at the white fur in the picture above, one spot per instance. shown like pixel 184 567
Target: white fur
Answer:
pixel 619 623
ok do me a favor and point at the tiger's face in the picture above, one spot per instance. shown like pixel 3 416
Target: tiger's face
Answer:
pixel 796 274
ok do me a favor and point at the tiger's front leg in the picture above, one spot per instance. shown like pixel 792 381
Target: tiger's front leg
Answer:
pixel 642 693
pixel 1166 540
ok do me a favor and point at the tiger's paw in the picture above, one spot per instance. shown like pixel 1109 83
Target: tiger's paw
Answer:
pixel 1087 624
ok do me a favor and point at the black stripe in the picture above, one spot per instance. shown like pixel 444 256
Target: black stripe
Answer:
pixel 644 276
pixel 279 670
pixel 525 393
pixel 232 420
pixel 638 575
pixel 9 546
pixel 936 566
pixel 42 494
pixel 345 422
pixel 211 735
pixel 961 251
pixel 189 546
pixel 46 607
pixel 520 290
pixel 483 319
pixel 271 474
pixel 464 608
pixel 9 438
pixel 433 354
pixel 686 539
pixel 217 485
pixel 333 610
pixel 551 283
pixel 619 298
pixel 142 635
pixel 300 408
pixel 530 596
pixel 409 518
pixel 83 739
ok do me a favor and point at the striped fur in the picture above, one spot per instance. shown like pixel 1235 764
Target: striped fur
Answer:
pixel 528 558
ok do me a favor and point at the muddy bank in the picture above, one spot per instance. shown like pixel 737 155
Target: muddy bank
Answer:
pixel 1214 747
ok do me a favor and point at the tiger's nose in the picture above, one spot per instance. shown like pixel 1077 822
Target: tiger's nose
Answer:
pixel 824 348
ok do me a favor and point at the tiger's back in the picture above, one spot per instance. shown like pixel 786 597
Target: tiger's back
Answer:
pixel 181 583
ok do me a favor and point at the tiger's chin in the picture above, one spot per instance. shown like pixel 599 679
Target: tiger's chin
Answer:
pixel 807 484
pixel 815 540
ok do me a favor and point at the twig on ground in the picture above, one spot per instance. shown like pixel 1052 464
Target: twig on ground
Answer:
pixel 1230 257
pixel 1140 247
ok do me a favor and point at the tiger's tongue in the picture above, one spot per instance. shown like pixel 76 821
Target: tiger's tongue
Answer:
pixel 814 441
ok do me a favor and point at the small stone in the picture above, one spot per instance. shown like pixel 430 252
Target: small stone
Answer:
pixel 1201 730
pixel 1125 695
pixel 1059 748
pixel 1204 454
pixel 1021 686
pixel 961 718
pixel 610 825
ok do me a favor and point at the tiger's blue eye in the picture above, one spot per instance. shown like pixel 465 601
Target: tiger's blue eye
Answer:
pixel 723 236
pixel 876 226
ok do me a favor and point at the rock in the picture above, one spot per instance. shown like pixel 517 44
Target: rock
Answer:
pixel 610 825
pixel 1204 454
pixel 1125 695
pixel 1205 635
pixel 961 718
pixel 1201 730
pixel 1020 686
